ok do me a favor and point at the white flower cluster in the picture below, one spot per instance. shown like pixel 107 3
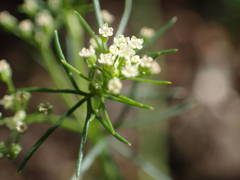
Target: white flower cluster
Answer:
pixel 120 59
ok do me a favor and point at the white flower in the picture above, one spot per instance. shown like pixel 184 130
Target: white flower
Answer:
pixel 106 31
pixel 130 71
pixel 121 41
pixel 136 43
pixel 155 68
pixel 135 59
pixel 114 49
pixel 115 85
pixel 106 59
pixel 146 61
pixel 26 26
pixel 87 52
pixel 107 16
pixel 44 19
pixel 7 101
pixel 147 32
pixel 126 52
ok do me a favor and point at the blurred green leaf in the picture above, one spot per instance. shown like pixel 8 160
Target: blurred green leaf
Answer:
pixel 126 100
pixel 155 55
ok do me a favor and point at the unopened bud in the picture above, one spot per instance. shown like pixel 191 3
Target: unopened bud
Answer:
pixel 5 71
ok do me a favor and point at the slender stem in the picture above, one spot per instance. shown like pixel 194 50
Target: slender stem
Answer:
pixel 47 134
pixel 125 17
pixel 98 12
pixel 89 118
pixel 72 68
pixel 62 58
pixel 49 90
pixel 10 85
pixel 88 28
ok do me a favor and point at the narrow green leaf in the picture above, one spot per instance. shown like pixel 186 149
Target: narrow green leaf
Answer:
pixel 155 55
pixel 108 121
pixel 126 100
pixel 83 143
pixel 47 134
pixel 62 58
pixel 72 68
pixel 50 90
pixel 150 81
pixel 88 28
pixel 160 31
pixel 125 17
pixel 98 12
pixel 114 133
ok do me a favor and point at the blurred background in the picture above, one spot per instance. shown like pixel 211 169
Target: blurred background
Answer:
pixel 193 132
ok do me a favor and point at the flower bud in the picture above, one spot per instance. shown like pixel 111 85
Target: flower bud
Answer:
pixel 26 27
pixel 7 20
pixel 147 32
pixel 45 108
pixel 5 71
pixel 22 97
pixel 30 7
pixel 7 101
pixel 14 150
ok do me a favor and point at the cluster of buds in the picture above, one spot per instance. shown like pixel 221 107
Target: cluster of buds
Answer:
pixel 118 61
pixel 15 102
pixel 9 150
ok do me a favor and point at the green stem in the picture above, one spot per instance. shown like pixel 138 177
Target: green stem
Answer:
pixel 10 85
pixel 62 58
pixel 98 12
pixel 49 90
pixel 89 118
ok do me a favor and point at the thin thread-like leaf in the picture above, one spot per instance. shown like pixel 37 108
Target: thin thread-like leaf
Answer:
pixel 160 31
pixel 62 58
pixel 72 68
pixel 50 90
pixel 150 81
pixel 98 12
pixel 155 55
pixel 125 17
pixel 126 100
pixel 47 134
